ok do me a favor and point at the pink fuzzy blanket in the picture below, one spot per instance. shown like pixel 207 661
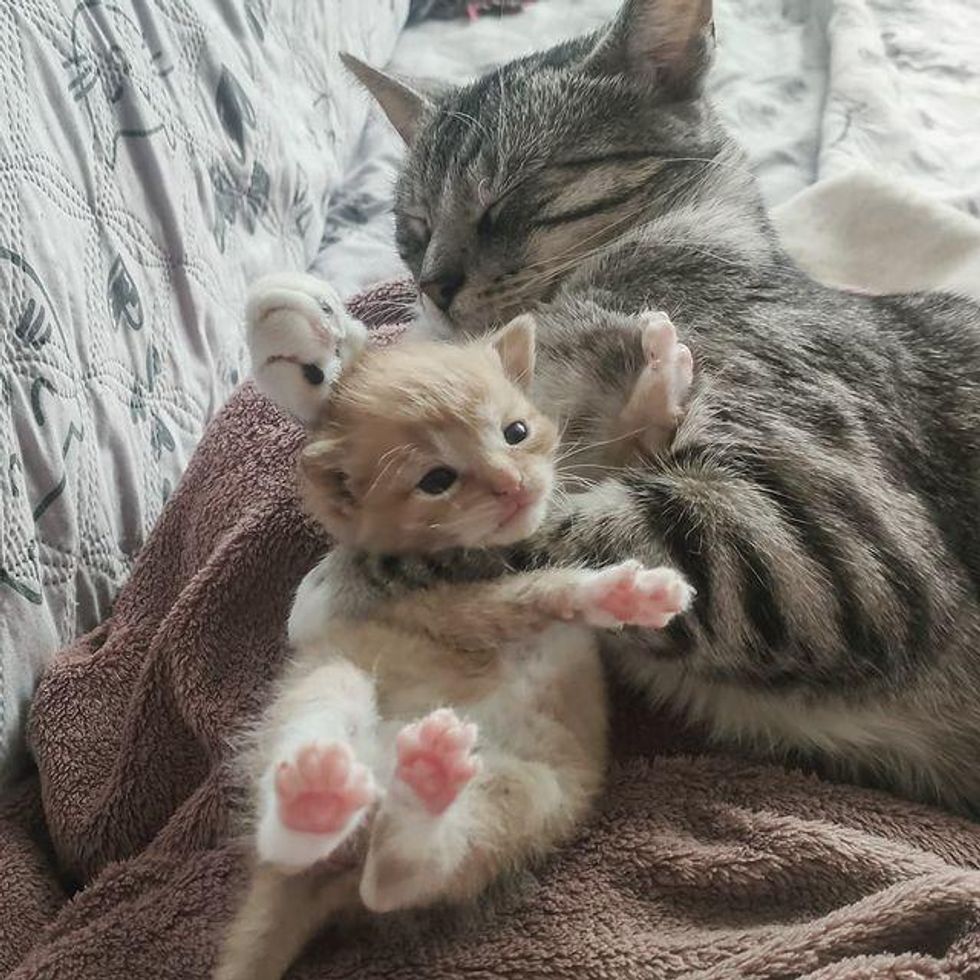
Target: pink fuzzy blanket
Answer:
pixel 116 859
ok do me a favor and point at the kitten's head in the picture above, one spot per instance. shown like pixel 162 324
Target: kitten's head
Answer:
pixel 509 181
pixel 426 446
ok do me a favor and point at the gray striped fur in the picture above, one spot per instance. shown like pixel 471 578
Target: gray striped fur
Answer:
pixel 823 491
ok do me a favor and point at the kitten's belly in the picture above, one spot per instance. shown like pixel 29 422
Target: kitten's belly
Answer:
pixel 522 692
pixel 556 677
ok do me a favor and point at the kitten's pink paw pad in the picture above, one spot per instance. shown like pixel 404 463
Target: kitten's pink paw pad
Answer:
pixel 435 758
pixel 630 594
pixel 322 789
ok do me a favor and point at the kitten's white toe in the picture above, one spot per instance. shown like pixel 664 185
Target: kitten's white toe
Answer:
pixel 300 338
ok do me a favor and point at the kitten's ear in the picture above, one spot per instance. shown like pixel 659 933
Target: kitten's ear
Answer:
pixel 325 489
pixel 514 345
pixel 402 105
pixel 669 42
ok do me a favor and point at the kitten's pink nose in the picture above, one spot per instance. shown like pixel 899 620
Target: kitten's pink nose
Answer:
pixel 507 483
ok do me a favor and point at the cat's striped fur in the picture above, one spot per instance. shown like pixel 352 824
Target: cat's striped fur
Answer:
pixel 823 491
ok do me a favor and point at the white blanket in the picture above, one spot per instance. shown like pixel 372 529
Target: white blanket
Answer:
pixel 864 114
pixel 153 158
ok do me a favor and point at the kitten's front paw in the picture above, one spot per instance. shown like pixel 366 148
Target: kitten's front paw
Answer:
pixel 631 595
pixel 657 402
pixel 435 758
pixel 319 797
pixel 300 338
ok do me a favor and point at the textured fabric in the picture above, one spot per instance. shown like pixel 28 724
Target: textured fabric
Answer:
pixel 154 155
pixel 446 9
pixel 812 89
pixel 695 866
pixel 861 228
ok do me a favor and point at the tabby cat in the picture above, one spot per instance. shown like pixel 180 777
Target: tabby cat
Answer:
pixel 823 490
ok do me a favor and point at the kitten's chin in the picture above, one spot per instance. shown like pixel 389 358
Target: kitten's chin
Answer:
pixel 519 527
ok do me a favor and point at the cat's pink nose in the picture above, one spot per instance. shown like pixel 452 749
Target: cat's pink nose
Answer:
pixel 507 483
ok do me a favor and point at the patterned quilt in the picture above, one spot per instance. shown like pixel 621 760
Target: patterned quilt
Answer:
pixel 154 155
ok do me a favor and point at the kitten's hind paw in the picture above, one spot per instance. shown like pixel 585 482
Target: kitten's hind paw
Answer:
pixel 657 402
pixel 320 795
pixel 631 595
pixel 300 338
pixel 435 758
pixel 322 789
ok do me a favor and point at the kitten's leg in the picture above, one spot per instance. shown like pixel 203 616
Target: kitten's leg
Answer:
pixel 315 788
pixel 515 607
pixel 300 337
pixel 656 404
pixel 498 815
pixel 279 915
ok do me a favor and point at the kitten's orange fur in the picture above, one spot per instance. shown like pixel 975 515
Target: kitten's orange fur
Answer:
pixel 400 411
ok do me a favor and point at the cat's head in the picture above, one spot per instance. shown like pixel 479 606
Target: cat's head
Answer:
pixel 510 180
pixel 426 446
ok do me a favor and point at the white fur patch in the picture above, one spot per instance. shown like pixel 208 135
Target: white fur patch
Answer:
pixel 295 323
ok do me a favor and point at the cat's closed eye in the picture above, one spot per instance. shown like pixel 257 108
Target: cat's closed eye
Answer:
pixel 516 432
pixel 418 227
pixel 437 481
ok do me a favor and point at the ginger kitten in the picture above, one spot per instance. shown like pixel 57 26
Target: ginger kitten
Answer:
pixel 417 748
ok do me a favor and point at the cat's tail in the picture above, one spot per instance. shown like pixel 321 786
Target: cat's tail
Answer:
pixel 280 915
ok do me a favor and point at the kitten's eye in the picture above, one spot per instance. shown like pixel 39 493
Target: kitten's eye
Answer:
pixel 484 227
pixel 437 481
pixel 516 432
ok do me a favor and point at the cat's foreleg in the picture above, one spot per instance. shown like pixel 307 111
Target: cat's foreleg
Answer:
pixel 316 786
pixel 453 821
pixel 300 338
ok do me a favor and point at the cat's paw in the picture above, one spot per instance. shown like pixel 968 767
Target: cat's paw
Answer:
pixel 657 401
pixel 300 338
pixel 435 758
pixel 318 797
pixel 322 789
pixel 631 595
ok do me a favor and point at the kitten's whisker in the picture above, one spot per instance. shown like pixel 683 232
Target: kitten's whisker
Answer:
pixel 598 444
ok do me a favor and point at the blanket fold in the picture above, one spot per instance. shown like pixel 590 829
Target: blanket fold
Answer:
pixel 117 858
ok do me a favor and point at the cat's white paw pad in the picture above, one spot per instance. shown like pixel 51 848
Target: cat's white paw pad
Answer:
pixel 631 595
pixel 300 338
pixel 435 758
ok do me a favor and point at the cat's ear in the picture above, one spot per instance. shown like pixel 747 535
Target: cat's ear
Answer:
pixel 325 488
pixel 514 345
pixel 669 42
pixel 402 105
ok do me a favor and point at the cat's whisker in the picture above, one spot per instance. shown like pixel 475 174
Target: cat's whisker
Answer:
pixel 598 444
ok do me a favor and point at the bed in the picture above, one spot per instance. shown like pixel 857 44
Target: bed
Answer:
pixel 157 175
